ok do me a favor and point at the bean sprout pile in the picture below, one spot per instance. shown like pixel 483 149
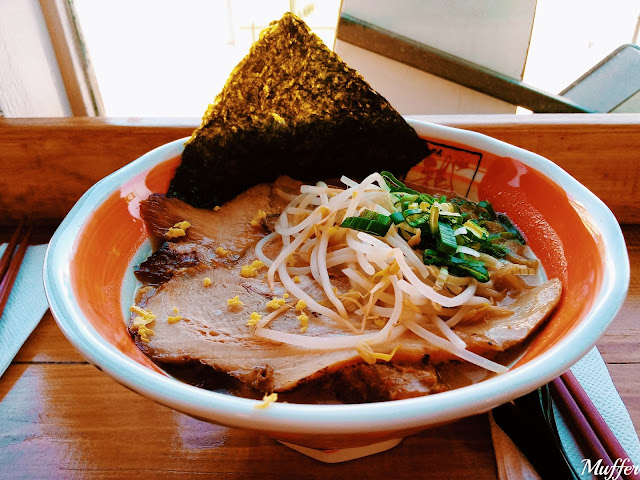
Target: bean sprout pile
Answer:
pixel 392 292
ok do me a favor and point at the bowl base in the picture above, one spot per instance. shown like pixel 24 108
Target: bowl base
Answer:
pixel 344 454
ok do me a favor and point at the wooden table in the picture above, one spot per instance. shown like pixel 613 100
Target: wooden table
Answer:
pixel 61 418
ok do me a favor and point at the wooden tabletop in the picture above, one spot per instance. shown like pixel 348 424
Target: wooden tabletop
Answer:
pixel 62 418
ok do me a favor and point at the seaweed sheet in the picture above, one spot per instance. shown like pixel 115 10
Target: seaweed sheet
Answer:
pixel 291 106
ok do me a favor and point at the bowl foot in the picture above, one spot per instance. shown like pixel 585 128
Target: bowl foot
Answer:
pixel 344 454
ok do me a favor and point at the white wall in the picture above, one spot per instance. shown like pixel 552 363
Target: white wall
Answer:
pixel 30 81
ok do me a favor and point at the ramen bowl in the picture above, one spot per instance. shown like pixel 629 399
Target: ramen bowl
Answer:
pixel 90 285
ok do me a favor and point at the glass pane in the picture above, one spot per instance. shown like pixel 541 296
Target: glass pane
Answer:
pixel 571 36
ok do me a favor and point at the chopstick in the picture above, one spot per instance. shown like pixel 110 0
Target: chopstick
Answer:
pixel 593 434
pixel 10 263
pixel 600 427
pixel 8 252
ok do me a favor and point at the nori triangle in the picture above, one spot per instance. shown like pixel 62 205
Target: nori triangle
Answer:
pixel 292 107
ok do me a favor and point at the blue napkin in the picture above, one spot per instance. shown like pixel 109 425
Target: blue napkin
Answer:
pixel 26 306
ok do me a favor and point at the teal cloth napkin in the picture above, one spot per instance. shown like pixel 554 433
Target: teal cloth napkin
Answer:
pixel 26 306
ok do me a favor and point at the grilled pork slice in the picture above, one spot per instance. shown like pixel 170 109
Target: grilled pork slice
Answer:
pixel 214 237
pixel 217 334
pixel 529 312
pixel 363 383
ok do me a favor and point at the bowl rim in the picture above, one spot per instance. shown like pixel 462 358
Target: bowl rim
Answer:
pixel 365 418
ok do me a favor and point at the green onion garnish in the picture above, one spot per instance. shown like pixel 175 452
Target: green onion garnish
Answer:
pixel 462 267
pixel 415 217
pixel 489 208
pixel 446 239
pixel 437 218
pixel 397 218
pixel 433 220
pixel 475 229
pixel 396 185
pixel 405 201
pixel 506 223
pixel 369 222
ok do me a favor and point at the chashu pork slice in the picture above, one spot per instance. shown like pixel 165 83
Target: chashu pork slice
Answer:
pixel 529 311
pixel 216 334
pixel 214 237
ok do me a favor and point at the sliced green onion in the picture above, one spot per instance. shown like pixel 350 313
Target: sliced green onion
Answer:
pixel 443 275
pixel 433 219
pixel 405 201
pixel 397 218
pixel 479 272
pixel 449 214
pixel 489 208
pixel 413 211
pixel 506 223
pixel 476 229
pixel 446 240
pixel 369 222
pixel 452 232
pixel 447 208
pixel 396 185
pixel 461 267
pixel 415 217
pixel 467 250
pixel 431 257
pixel 425 198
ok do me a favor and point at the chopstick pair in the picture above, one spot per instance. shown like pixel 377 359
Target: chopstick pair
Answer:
pixel 11 261
pixel 593 434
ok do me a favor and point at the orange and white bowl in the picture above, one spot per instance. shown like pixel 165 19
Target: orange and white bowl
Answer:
pixel 90 285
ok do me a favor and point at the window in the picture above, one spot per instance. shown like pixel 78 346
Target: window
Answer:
pixel 171 58
pixel 571 36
